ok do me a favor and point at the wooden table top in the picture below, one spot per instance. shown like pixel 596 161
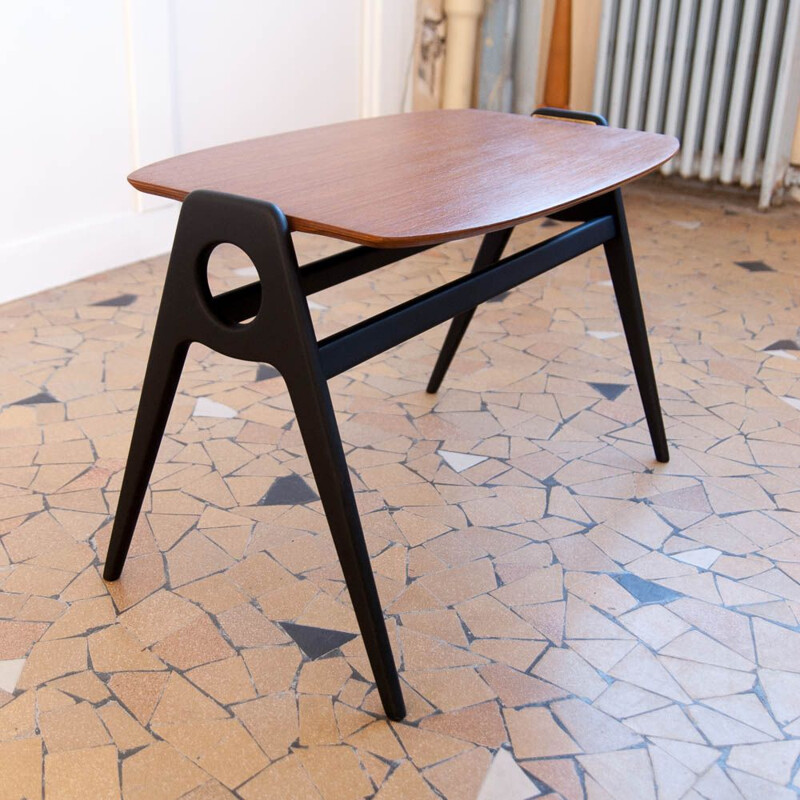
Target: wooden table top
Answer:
pixel 418 178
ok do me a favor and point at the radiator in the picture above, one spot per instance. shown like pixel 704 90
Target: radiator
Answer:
pixel 721 75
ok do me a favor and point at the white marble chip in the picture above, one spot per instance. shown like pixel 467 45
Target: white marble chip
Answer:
pixel 204 407
pixel 460 461
pixel 687 224
pixel 781 354
pixel 506 780
pixel 10 672
pixel 702 557
pixel 604 334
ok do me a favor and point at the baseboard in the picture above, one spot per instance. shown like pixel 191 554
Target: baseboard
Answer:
pixel 68 254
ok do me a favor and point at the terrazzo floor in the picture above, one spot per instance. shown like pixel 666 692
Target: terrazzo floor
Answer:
pixel 572 619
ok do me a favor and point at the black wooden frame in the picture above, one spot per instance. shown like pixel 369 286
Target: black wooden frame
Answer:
pixel 281 333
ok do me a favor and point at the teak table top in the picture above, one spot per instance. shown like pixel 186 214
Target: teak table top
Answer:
pixel 418 178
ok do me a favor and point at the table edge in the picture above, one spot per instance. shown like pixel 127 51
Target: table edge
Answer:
pixel 303 225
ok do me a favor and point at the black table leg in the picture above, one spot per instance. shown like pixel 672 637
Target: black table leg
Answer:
pixel 280 334
pixel 315 418
pixel 158 390
pixel 491 250
pixel 626 288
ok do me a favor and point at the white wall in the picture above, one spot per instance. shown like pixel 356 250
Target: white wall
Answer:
pixel 92 89
pixel 388 41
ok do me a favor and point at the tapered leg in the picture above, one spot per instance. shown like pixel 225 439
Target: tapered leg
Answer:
pixel 315 417
pixel 490 251
pixel 626 288
pixel 160 382
pixel 282 334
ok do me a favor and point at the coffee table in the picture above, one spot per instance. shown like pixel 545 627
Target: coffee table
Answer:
pixel 394 186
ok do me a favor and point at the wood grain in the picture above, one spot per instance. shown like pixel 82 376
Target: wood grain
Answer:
pixel 419 178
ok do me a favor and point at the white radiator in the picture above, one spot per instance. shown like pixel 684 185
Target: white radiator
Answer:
pixel 721 75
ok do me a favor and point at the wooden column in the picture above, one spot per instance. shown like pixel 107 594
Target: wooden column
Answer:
pixel 463 22
pixel 556 91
